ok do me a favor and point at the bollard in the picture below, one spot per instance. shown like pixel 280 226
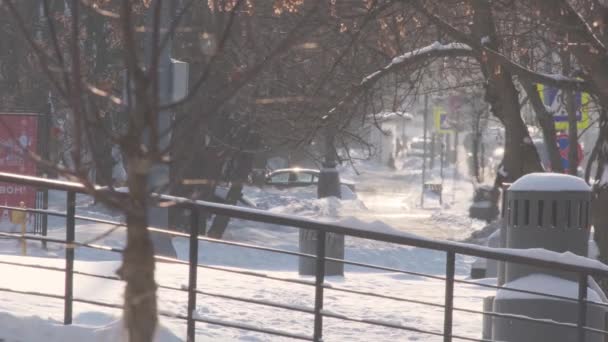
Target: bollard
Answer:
pixel 19 217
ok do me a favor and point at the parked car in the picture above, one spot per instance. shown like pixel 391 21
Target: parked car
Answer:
pixel 293 177
pixel 416 147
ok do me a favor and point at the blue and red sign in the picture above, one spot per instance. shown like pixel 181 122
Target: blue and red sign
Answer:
pixel 563 143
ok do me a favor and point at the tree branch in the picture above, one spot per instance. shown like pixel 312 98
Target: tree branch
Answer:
pixel 515 68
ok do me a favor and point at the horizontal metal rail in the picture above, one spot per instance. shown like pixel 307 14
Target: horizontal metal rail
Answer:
pixel 296 281
pixel 204 293
pixel 259 275
pixel 250 327
pixel 159 230
pixel 396 326
pixel 486 313
pixel 294 308
pixel 163 313
pixel 161 258
pixel 376 295
pixel 359 264
pixel 334 315
pixel 536 293
pixel 385 268
pixel 310 310
pixel 322 228
pixel 525 318
pixel 310 224
pixel 260 248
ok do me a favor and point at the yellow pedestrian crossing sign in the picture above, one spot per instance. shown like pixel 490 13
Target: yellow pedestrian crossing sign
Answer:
pixel 553 98
pixel 442 124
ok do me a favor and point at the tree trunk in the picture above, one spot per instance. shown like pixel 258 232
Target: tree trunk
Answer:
pixel 220 223
pixel 102 149
pixel 572 121
pixel 545 120
pixel 475 148
pixel 520 156
pixel 244 165
pixel 140 311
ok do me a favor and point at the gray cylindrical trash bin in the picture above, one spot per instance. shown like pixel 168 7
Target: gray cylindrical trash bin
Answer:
pixel 550 211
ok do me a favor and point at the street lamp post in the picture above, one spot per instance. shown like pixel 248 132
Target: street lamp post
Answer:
pixel 158 177
pixel 424 137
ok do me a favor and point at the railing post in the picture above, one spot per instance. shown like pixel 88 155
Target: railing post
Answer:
pixel 450 267
pixel 582 306
pixel 69 256
pixel 45 218
pixel 192 272
pixel 319 280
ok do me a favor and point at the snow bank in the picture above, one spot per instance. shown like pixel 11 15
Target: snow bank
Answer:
pixel 546 284
pixel 35 329
pixel 549 182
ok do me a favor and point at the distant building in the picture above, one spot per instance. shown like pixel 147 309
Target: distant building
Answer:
pixel 387 131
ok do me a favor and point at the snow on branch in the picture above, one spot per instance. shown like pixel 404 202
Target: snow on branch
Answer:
pixel 507 63
pixel 436 46
pixel 435 49
pixel 554 80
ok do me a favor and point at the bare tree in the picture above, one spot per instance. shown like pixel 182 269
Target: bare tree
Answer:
pixel 60 57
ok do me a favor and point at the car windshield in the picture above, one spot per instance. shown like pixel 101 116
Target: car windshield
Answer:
pixel 417 145
pixel 304 177
pixel 280 178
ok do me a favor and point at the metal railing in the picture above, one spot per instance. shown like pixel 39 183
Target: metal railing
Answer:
pixel 199 210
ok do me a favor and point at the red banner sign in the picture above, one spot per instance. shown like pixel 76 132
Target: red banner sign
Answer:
pixel 18 137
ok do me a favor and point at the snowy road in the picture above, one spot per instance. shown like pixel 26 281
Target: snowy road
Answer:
pixel 394 197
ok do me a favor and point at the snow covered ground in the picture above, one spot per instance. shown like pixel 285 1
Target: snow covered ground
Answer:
pixel 102 321
pixel 387 199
